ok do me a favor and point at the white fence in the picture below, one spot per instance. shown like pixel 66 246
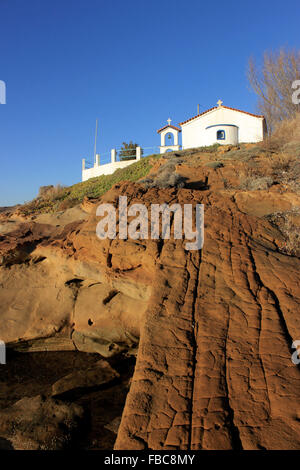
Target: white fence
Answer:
pixel 113 161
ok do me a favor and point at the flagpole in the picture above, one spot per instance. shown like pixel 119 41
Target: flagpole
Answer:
pixel 95 147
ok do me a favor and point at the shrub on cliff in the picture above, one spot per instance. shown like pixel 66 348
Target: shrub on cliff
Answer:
pixel 51 192
pixel 166 176
pixel 285 133
pixel 258 183
pixel 287 224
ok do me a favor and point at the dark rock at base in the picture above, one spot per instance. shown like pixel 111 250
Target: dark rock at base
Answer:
pixel 101 373
pixel 5 444
pixel 39 423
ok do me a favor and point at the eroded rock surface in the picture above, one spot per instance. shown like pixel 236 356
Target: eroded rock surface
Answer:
pixel 215 327
pixel 214 367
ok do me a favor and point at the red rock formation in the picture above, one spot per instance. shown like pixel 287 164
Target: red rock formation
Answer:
pixel 216 326
pixel 214 366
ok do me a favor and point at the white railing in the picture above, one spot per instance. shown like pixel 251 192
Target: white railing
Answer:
pixel 109 162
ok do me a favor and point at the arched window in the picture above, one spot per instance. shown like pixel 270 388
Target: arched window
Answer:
pixel 221 135
pixel 169 139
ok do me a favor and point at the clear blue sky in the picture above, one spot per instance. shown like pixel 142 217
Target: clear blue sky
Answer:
pixel 130 63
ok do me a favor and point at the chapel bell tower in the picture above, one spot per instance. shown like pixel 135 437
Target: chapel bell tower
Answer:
pixel 169 137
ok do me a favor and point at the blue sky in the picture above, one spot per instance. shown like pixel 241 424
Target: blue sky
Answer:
pixel 131 64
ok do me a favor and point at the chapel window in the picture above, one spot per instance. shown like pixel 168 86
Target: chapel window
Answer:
pixel 221 135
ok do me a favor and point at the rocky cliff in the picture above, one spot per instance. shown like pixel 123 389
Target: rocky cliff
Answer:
pixel 212 329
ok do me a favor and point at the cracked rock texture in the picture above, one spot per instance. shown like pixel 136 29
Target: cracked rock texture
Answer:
pixel 215 327
pixel 214 367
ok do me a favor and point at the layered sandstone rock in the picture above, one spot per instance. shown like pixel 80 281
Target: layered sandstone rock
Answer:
pixel 215 327
pixel 214 368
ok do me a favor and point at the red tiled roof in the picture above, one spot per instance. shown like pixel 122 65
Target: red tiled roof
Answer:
pixel 217 107
pixel 174 127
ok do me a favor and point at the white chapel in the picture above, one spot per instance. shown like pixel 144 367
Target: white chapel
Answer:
pixel 220 124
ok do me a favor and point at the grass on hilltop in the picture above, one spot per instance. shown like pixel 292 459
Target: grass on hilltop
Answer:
pixel 55 198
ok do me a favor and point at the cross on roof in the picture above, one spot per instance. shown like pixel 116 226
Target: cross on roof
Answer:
pixel 169 121
pixel 219 103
